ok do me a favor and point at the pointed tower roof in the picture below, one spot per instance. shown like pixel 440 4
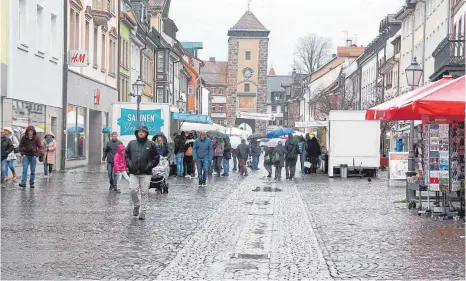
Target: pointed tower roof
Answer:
pixel 249 24
pixel 272 72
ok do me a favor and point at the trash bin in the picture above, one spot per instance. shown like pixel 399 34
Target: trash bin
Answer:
pixel 343 171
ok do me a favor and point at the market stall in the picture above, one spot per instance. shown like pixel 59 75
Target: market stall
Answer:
pixel 438 144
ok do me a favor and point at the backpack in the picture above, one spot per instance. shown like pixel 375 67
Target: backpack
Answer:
pixel 189 151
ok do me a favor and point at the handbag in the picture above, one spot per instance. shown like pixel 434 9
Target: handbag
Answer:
pixel 41 157
pixel 307 164
pixel 276 158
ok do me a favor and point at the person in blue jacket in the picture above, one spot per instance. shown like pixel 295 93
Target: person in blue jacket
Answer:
pixel 202 154
pixel 399 146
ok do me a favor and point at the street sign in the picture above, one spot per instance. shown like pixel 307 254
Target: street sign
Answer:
pixel 255 116
pixel 77 58
pixel 311 124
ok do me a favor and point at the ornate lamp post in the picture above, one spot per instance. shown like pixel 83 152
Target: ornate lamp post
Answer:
pixel 181 104
pixel 138 86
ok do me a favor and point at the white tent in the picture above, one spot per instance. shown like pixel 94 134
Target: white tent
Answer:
pixel 233 131
pixel 186 126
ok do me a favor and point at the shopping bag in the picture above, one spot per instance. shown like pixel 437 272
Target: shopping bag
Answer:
pixel 307 164
pixel 276 158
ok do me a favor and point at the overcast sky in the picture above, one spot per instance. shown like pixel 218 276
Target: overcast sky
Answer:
pixel 208 21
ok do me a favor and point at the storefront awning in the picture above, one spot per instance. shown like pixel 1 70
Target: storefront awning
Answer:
pixel 311 124
pixel 192 118
pixel 388 109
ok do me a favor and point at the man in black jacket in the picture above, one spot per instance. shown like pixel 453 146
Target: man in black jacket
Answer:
pixel 110 150
pixel 141 157
pixel 243 154
pixel 7 148
pixel 292 151
pixel 180 148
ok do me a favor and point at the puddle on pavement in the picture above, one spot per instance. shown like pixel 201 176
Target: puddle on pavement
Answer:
pixel 252 256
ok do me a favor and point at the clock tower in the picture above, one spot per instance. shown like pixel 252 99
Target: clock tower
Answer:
pixel 248 46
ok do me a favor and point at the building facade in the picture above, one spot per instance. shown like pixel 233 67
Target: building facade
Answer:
pixel 32 67
pixel 215 75
pixel 128 23
pixel 276 98
pixel 247 72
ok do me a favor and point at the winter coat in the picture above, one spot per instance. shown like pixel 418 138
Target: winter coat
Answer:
pixel 255 148
pixel 202 149
pixel 292 149
pixel 110 150
pixel 180 143
pixel 243 151
pixel 162 146
pixel 141 155
pixel 12 155
pixel 219 149
pixel 7 147
pixel 227 149
pixel 30 147
pixel 50 150
pixel 280 149
pixel 268 156
pixel 313 148
pixel 119 161
pixel 399 146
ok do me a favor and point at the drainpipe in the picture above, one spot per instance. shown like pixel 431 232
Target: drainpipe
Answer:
pixel 64 85
pixel 119 52
pixel 424 39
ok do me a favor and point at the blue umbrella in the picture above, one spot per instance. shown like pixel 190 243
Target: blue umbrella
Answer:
pixel 73 129
pixel 278 132
pixel 106 130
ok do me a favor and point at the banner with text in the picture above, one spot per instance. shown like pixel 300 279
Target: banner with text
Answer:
pixel 150 118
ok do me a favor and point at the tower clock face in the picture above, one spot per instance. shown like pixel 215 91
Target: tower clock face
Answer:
pixel 247 72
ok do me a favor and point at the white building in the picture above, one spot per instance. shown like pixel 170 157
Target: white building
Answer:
pixel 276 96
pixel 92 89
pixel 35 68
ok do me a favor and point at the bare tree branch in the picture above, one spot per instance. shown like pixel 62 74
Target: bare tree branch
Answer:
pixel 312 51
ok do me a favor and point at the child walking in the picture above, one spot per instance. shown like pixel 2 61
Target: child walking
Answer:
pixel 119 167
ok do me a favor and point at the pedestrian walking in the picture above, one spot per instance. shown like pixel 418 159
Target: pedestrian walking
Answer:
pixel 10 161
pixel 141 157
pixel 7 148
pixel 292 152
pixel 313 153
pixel 30 148
pixel 188 156
pixel 119 167
pixel 50 148
pixel 302 145
pixel 180 144
pixel 110 150
pixel 218 156
pixel 203 154
pixel 243 154
pixel 226 157
pixel 234 154
pixel 172 159
pixel 255 154
pixel 279 154
pixel 268 160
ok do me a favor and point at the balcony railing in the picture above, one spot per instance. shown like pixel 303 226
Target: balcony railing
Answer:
pixel 450 53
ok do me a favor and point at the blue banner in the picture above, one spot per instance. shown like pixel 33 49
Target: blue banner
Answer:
pixel 150 118
pixel 193 118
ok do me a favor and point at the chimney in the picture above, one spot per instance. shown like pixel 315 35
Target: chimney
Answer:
pixel 349 42
pixel 355 39
pixel 212 59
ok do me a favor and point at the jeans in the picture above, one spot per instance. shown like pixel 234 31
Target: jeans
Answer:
pixel 202 168
pixel 139 190
pixel 235 163
pixel 255 162
pixel 4 168
pixel 218 164
pixel 29 161
pixel 47 168
pixel 111 175
pixel 11 164
pixel 278 172
pixel 303 159
pixel 180 164
pixel 290 167
pixel 226 166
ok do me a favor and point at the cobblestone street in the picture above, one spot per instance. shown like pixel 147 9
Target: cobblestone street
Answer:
pixel 314 228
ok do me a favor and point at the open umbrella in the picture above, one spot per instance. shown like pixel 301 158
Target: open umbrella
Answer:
pixel 274 142
pixel 256 136
pixel 216 134
pixel 235 141
pixel 106 130
pixel 278 132
pixel 299 138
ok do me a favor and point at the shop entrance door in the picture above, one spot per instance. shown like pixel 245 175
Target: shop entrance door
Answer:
pixel 95 137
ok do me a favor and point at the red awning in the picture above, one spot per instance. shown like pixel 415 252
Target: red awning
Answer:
pixel 390 110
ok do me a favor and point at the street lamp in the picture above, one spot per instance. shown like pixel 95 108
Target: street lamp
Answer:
pixel 181 104
pixel 413 76
pixel 138 86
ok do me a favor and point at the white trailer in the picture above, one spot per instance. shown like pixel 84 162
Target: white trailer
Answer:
pixel 353 141
pixel 157 117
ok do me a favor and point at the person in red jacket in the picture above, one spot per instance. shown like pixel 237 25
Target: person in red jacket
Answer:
pixel 119 166
pixel 30 148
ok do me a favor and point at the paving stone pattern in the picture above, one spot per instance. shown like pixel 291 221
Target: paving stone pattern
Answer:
pixel 313 228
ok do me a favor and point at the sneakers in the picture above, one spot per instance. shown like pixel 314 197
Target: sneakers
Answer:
pixel 22 185
pixel 111 187
pixel 46 176
pixel 117 190
pixel 225 175
pixel 31 185
pixel 270 175
pixel 200 182
pixel 142 216
pixel 234 170
pixel 136 211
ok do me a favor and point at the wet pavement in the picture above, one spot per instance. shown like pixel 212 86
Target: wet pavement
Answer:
pixel 313 228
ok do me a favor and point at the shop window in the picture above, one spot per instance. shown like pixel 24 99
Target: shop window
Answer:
pixel 76 132
pixel 27 114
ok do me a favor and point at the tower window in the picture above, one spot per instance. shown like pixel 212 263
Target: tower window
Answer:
pixel 247 88
pixel 248 55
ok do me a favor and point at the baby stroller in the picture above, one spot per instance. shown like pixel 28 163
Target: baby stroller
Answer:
pixel 160 176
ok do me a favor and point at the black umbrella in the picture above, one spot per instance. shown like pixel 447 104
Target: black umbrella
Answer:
pixel 299 138
pixel 216 134
pixel 256 136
